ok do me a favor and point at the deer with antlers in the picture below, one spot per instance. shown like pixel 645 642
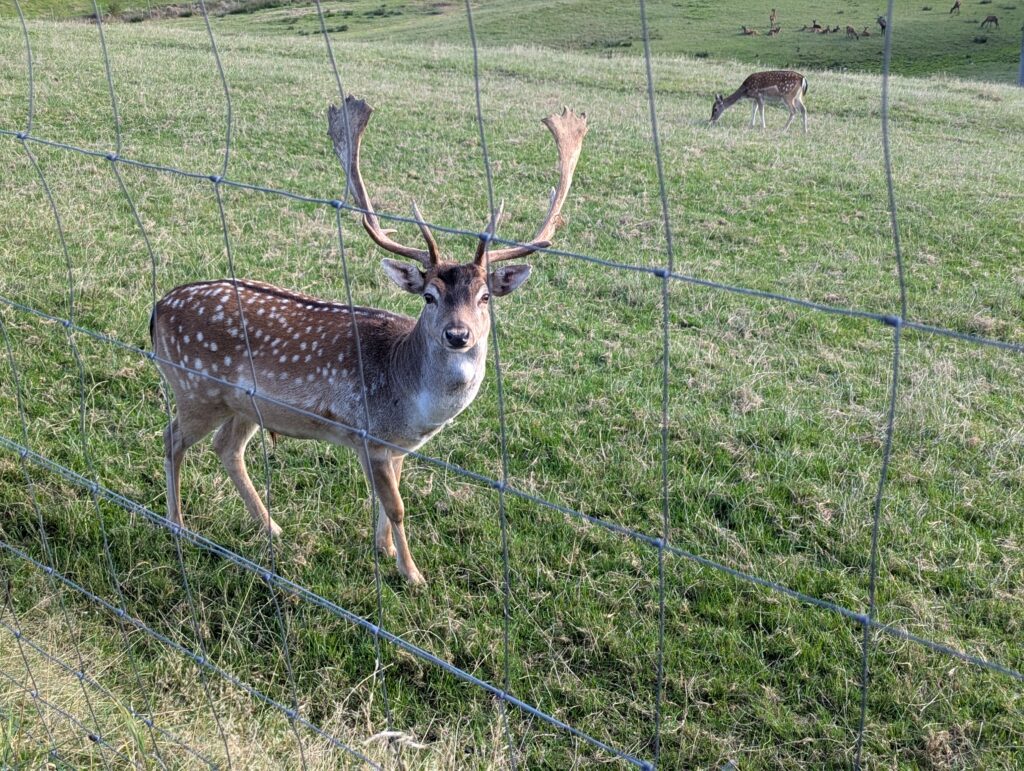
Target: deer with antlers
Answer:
pixel 240 355
pixel 783 86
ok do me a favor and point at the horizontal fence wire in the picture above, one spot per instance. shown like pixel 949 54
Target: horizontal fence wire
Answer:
pixel 86 678
pixel 270 576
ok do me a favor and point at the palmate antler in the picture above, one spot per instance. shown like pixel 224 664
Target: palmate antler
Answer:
pixel 346 131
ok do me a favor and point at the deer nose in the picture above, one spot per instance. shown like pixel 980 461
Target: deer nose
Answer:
pixel 456 336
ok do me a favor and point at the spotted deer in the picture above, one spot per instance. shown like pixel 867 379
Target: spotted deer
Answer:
pixel 375 381
pixel 761 87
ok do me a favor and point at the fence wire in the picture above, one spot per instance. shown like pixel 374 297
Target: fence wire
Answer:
pixel 139 705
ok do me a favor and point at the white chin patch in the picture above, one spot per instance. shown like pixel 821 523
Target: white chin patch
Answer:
pixel 464 368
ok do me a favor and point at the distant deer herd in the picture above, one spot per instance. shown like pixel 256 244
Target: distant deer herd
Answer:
pixel 244 355
pixel 815 27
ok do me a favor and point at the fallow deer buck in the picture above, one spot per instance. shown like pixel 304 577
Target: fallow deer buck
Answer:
pixel 314 362
pixel 773 86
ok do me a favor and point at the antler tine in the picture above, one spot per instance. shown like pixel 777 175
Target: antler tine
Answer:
pixel 435 253
pixel 568 129
pixel 492 228
pixel 345 126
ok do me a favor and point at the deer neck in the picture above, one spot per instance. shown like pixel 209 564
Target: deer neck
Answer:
pixel 736 95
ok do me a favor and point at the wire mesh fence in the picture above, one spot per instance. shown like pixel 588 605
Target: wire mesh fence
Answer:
pixel 123 726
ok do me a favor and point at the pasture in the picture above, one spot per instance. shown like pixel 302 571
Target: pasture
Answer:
pixel 777 412
pixel 928 40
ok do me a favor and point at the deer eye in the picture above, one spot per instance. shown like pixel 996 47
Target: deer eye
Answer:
pixel 429 299
pixel 484 298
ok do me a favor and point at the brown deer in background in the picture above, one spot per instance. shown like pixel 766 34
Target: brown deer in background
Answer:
pixel 955 9
pixel 851 32
pixel 375 381
pixel 989 21
pixel 773 86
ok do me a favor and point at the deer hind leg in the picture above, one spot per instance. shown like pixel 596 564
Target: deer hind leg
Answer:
pixel 230 443
pixel 753 113
pixel 792 114
pixel 761 104
pixel 384 541
pixel 185 430
pixel 380 471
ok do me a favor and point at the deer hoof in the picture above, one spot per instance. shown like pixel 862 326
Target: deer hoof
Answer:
pixel 415 578
pixel 274 529
pixel 387 549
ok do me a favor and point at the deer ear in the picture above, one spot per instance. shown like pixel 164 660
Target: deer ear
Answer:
pixel 408 277
pixel 509 278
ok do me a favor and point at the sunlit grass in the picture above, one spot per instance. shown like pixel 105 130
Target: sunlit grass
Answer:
pixel 776 412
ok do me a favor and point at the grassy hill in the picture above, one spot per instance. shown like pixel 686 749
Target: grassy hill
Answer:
pixel 776 412
pixel 928 40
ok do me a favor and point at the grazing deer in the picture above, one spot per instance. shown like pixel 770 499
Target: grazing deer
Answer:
pixel 775 85
pixel 989 21
pixel 851 32
pixel 955 9
pixel 774 31
pixel 748 30
pixel 375 381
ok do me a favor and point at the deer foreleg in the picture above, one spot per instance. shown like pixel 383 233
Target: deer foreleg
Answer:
pixel 381 473
pixel 384 541
pixel 230 443
pixel 753 113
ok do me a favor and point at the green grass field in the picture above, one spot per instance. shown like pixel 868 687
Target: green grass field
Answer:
pixel 777 413
pixel 928 40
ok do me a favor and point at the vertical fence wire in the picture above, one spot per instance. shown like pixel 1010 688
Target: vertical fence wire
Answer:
pixel 147 696
pixel 376 507
pixel 659 677
pixel 215 180
pixel 500 391
pixel 897 324
pixel 194 614
pixel 73 346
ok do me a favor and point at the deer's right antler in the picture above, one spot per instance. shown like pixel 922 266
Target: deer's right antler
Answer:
pixel 345 128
